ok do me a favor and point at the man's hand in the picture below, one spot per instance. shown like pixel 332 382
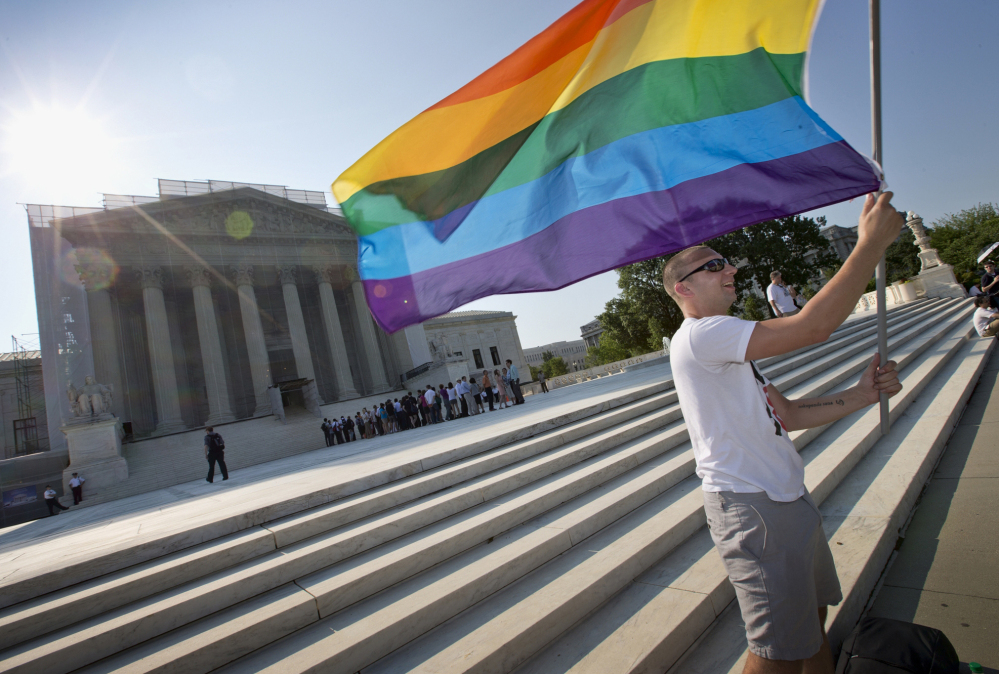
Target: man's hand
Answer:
pixel 877 380
pixel 880 223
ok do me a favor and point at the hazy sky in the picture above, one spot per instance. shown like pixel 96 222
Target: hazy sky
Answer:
pixel 109 96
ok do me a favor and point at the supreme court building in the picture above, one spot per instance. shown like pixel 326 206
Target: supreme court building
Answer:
pixel 193 303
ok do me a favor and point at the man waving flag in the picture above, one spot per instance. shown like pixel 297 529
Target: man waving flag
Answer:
pixel 626 130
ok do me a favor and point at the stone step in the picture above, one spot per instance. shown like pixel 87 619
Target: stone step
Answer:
pixel 293 647
pixel 657 617
pixel 67 575
pixel 56 570
pixel 44 614
pixel 181 605
pixel 502 631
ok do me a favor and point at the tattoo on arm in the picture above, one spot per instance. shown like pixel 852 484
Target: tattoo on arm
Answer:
pixel 806 405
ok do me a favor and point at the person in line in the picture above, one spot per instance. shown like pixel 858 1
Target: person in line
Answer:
pixel 52 501
pixel 326 431
pixel 348 429
pixel 476 393
pixel 384 416
pixel 487 389
pixel 764 524
pixel 986 320
pixel 461 407
pixel 76 484
pixel 781 297
pixel 518 397
pixel 438 403
pixel 990 283
pixel 215 453
pixel 430 397
pixel 542 377
pixel 445 404
pixel 467 404
pixel 359 424
pixel 501 394
pixel 452 397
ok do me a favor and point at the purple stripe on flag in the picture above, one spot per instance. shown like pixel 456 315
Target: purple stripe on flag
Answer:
pixel 624 231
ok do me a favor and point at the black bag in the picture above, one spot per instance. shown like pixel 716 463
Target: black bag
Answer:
pixel 218 444
pixel 884 646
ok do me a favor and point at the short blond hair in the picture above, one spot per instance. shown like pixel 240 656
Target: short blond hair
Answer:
pixel 675 267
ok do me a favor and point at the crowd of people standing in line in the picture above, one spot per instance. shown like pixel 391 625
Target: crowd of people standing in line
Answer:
pixel 455 400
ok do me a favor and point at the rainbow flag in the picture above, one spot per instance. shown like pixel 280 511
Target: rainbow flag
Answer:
pixel 627 129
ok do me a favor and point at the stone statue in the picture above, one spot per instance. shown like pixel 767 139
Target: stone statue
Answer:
pixel 92 399
pixel 666 344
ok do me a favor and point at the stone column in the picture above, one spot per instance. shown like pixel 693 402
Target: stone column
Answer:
pixel 219 410
pixel 296 323
pixel 103 337
pixel 334 333
pixel 372 354
pixel 168 417
pixel 253 333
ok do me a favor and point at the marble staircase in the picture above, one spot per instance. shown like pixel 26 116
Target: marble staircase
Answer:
pixel 573 542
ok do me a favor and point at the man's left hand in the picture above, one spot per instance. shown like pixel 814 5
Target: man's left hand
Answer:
pixel 877 380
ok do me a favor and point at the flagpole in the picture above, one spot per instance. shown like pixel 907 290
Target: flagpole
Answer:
pixel 876 142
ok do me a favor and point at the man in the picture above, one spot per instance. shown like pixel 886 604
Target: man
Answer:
pixel 468 408
pixel 326 431
pixel 452 400
pixel 52 501
pixel 430 397
pixel 763 522
pixel 518 397
pixel 76 484
pixel 781 297
pixel 985 319
pixel 990 283
pixel 214 452
pixel 541 380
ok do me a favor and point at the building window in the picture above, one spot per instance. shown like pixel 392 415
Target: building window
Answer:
pixel 458 353
pixel 478 359
pixel 494 352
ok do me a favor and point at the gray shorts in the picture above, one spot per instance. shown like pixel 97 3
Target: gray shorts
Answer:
pixel 779 562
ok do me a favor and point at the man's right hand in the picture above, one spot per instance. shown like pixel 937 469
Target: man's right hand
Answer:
pixel 880 223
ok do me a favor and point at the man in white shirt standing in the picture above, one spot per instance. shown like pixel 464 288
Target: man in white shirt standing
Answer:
pixel 76 484
pixel 763 522
pixel 781 296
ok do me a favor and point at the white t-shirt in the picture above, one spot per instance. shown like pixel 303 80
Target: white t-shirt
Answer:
pixel 740 444
pixel 975 291
pixel 982 319
pixel 430 396
pixel 76 482
pixel 452 394
pixel 49 493
pixel 781 296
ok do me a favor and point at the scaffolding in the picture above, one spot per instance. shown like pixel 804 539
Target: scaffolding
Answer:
pixel 26 439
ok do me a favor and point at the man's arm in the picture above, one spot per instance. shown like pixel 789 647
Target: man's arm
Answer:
pixel 994 281
pixel 880 224
pixel 777 312
pixel 812 412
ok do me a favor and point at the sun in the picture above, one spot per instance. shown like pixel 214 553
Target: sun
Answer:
pixel 53 143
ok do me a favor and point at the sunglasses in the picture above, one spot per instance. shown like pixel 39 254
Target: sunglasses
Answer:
pixel 714 265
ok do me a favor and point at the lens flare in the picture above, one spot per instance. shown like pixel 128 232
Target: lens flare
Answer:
pixel 93 266
pixel 239 225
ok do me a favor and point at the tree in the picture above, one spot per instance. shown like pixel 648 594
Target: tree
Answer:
pixel 794 246
pixel 959 238
pixel 754 309
pixel 902 257
pixel 534 372
pixel 608 351
pixel 553 367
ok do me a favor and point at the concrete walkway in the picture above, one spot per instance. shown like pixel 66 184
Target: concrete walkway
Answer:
pixel 945 575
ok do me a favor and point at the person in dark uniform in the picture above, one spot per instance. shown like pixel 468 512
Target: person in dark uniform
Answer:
pixel 52 501
pixel 990 283
pixel 214 452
